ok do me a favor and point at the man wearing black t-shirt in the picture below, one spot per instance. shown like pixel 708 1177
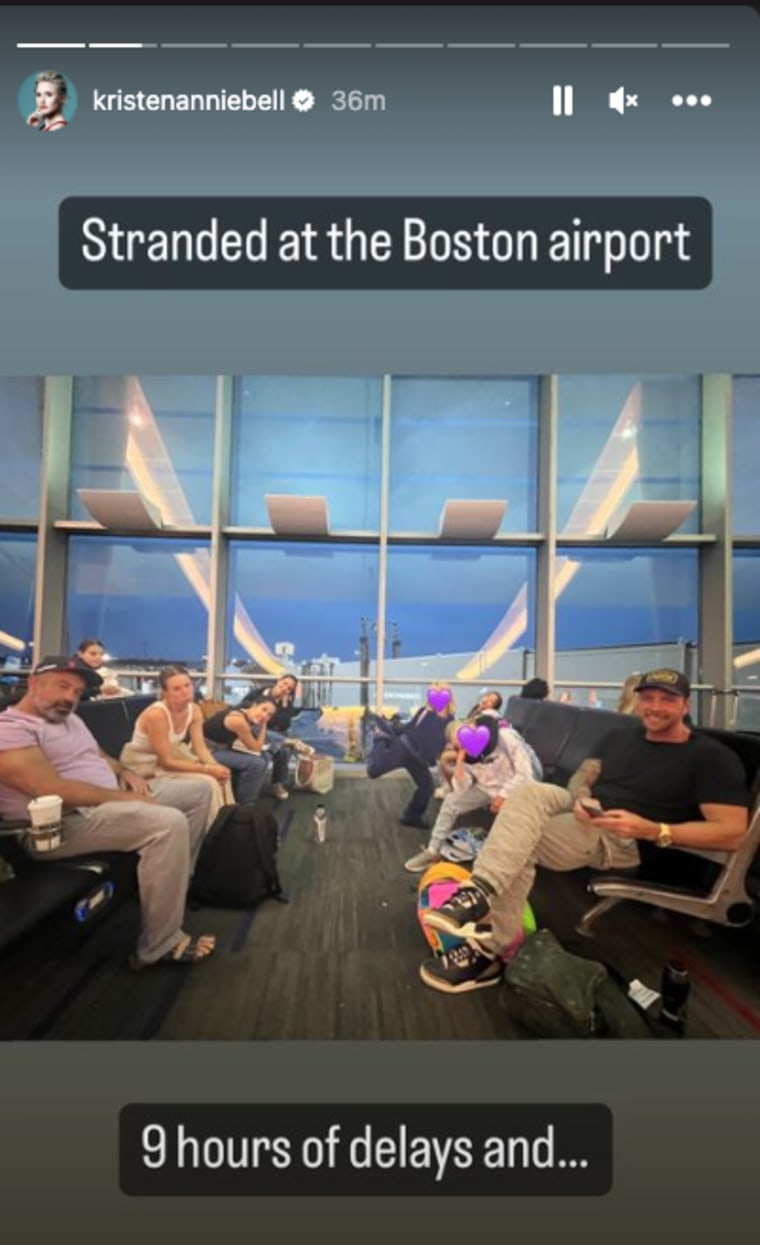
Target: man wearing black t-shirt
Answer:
pixel 663 784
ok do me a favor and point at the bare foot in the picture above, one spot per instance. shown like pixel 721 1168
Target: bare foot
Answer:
pixel 188 950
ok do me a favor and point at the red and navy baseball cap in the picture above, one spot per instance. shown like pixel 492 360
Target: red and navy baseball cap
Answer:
pixel 70 665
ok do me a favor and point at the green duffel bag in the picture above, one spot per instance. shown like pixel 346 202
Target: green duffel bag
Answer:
pixel 554 994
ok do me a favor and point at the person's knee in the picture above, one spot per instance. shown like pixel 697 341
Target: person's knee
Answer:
pixel 201 789
pixel 534 798
pixel 170 822
pixel 184 792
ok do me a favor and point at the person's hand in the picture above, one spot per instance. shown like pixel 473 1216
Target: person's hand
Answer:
pixel 133 782
pixel 580 814
pixel 133 797
pixel 33 119
pixel 627 825
pixel 496 804
pixel 220 772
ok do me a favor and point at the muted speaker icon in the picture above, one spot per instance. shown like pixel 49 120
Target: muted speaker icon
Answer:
pixel 622 99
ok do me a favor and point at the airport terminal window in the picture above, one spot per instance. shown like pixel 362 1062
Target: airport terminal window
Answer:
pixel 18 558
pixel 594 667
pixel 154 434
pixel 747 637
pixel 147 599
pixel 747 598
pixel 21 400
pixel 301 604
pixel 450 612
pixel 746 454
pixel 618 597
pixel 468 438
pixel 625 439
pixel 311 436
pixel 459 613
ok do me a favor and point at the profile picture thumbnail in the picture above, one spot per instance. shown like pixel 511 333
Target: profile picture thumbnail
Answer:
pixel 47 101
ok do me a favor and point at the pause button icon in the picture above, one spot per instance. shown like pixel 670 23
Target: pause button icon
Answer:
pixel 562 101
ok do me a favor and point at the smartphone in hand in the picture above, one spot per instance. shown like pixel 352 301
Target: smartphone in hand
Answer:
pixel 592 807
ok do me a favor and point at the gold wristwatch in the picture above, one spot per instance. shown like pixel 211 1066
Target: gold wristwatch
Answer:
pixel 665 837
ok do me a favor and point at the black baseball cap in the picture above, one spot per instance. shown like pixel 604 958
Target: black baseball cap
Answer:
pixel 70 665
pixel 666 680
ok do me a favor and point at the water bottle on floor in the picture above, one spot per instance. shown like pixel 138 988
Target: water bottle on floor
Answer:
pixel 675 992
pixel 320 823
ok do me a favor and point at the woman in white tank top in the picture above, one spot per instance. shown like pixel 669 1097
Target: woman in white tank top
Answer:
pixel 168 740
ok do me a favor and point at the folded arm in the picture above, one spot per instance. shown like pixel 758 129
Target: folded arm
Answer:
pixel 29 771
pixel 240 726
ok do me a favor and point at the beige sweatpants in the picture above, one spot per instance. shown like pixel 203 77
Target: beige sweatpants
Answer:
pixel 535 826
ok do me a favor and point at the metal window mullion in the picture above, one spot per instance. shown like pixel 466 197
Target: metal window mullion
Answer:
pixel 52 545
pixel 715 565
pixel 382 580
pixel 546 557
pixel 220 549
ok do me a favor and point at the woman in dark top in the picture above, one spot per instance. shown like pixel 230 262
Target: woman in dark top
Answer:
pixel 238 739
pixel 283 694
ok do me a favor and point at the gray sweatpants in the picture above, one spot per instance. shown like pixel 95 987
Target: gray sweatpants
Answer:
pixel 454 805
pixel 167 837
pixel 535 826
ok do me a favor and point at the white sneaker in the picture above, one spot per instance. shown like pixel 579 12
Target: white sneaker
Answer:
pixel 422 861
pixel 280 792
pixel 440 793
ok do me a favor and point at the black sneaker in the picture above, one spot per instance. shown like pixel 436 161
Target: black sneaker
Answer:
pixel 417 823
pixel 465 968
pixel 460 914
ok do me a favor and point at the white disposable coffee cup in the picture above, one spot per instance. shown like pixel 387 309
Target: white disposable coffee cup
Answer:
pixel 45 813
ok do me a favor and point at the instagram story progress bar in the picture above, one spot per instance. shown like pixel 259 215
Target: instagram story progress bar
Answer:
pixel 562 101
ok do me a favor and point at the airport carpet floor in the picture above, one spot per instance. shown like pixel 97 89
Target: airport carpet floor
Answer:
pixel 341 959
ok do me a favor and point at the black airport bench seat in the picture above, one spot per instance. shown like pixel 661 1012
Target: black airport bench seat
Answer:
pixel 78 887
pixel 709 885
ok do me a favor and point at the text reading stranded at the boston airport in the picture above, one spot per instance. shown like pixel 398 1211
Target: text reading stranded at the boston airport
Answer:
pixel 345 241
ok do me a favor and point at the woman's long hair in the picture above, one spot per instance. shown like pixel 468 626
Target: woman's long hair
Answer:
pixel 629 696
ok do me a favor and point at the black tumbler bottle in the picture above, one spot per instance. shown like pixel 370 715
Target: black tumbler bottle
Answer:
pixel 675 992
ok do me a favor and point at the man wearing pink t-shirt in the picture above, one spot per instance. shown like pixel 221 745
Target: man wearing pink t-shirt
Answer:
pixel 45 749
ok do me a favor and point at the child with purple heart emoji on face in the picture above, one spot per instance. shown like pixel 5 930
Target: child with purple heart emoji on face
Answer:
pixel 473 740
pixel 491 761
pixel 489 703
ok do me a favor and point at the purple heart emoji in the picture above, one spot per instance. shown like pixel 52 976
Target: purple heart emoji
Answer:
pixel 474 739
pixel 438 698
